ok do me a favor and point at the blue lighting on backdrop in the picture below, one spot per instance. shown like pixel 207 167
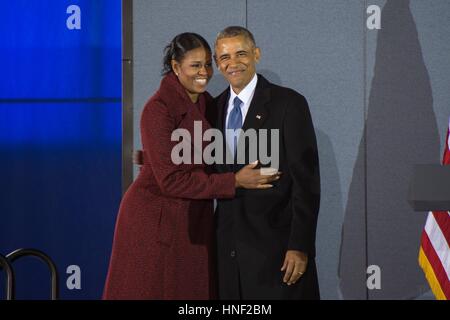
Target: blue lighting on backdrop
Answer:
pixel 60 138
pixel 45 62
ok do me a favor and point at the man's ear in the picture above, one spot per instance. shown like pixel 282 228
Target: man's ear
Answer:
pixel 257 54
pixel 175 66
pixel 215 61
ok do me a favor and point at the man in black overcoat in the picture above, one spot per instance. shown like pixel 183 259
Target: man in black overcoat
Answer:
pixel 265 238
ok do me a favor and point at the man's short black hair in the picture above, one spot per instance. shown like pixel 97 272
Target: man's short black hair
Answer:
pixel 234 31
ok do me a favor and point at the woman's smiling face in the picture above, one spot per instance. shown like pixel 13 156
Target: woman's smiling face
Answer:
pixel 194 71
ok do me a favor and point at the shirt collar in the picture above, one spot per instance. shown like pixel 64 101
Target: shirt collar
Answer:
pixel 246 94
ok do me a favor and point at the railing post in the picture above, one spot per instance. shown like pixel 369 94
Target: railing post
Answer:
pixel 13 256
pixel 4 263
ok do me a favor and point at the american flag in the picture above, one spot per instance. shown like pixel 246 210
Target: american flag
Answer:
pixel 434 254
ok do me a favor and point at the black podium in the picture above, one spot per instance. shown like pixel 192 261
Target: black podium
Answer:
pixel 429 189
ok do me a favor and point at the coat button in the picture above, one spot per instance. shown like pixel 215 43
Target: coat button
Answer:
pixel 233 254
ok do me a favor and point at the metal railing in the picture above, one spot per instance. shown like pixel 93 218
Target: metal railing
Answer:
pixel 9 289
pixel 6 263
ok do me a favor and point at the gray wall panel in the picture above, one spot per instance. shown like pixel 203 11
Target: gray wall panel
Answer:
pixel 315 47
pixel 432 19
pixel 411 70
pixel 401 131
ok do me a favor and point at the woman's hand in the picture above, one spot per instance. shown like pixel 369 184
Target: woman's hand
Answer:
pixel 250 178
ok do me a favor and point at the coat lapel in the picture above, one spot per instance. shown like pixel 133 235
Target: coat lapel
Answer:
pixel 258 110
pixel 222 106
pixel 257 114
pixel 222 110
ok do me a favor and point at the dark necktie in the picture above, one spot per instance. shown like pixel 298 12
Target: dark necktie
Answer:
pixel 235 123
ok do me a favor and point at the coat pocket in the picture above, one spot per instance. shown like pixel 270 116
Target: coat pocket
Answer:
pixel 167 224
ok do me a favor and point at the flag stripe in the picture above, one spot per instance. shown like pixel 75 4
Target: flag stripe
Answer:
pixel 438 242
pixel 443 220
pixel 436 264
pixel 431 277
pixel 433 258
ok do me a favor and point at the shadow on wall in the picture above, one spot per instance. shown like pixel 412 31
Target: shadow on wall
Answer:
pixel 401 131
pixel 330 217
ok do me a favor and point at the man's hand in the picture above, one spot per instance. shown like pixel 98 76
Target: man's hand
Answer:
pixel 295 263
pixel 250 178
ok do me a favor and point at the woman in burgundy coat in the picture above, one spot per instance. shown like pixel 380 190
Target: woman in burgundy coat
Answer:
pixel 163 241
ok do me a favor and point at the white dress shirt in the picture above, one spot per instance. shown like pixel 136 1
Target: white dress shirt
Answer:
pixel 246 96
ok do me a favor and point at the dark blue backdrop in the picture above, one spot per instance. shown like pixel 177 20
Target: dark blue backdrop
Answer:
pixel 60 139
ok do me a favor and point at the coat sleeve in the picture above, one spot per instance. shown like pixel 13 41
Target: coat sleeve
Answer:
pixel 180 181
pixel 303 163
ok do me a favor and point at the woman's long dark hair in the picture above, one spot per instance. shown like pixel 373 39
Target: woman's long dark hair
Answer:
pixel 179 46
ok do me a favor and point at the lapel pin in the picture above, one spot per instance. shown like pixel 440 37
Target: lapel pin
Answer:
pixel 258 117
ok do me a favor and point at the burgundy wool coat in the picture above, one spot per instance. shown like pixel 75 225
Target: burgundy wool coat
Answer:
pixel 163 241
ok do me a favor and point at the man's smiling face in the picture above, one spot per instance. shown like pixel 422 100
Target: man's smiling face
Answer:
pixel 236 59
